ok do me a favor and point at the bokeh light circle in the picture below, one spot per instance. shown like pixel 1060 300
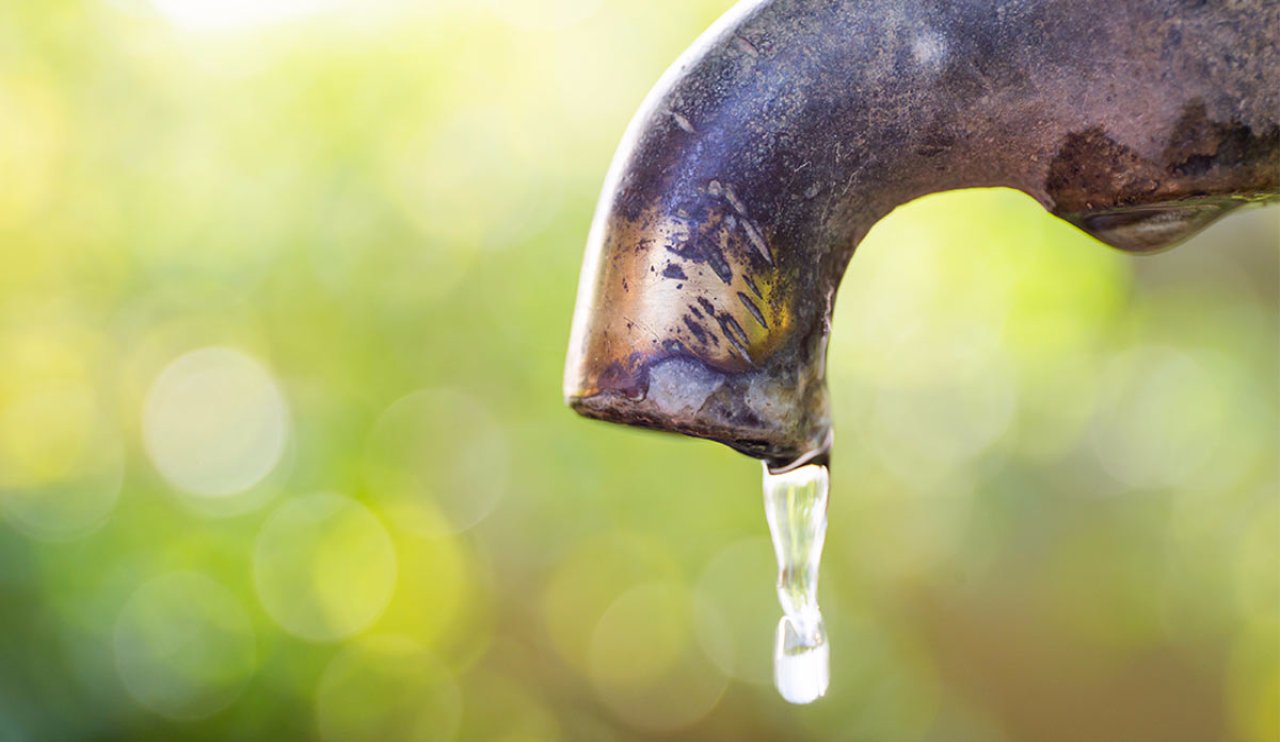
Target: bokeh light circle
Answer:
pixel 215 422
pixel 324 567
pixel 437 462
pixel 33 142
pixel 387 688
pixel 645 664
pixel 61 460
pixel 640 636
pixel 184 646
pixel 587 581
pixel 925 433
pixel 1160 418
pixel 737 609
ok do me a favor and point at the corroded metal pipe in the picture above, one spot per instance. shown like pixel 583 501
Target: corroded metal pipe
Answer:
pixel 792 126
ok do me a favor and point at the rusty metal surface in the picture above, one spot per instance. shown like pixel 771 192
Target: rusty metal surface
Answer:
pixel 763 157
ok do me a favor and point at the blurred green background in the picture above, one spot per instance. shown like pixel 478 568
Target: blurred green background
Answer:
pixel 284 296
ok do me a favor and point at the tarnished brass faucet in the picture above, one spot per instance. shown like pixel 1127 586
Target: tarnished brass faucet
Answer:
pixel 771 148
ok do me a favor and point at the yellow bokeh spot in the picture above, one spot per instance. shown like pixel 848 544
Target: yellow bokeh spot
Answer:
pixel 640 636
pixel 324 567
pixel 645 664
pixel 436 587
pixel 1253 686
pixel 1257 566
pixel 589 579
pixel 61 455
pixel 32 131
pixel 45 434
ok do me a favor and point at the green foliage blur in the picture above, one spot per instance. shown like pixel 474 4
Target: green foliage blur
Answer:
pixel 285 289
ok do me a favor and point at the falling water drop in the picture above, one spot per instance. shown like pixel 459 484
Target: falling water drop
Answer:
pixel 795 501
pixel 1148 228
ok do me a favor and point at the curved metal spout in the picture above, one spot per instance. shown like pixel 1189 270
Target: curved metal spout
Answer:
pixel 792 126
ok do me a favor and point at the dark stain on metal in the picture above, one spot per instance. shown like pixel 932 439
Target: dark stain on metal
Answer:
pixel 698 330
pixel 674 271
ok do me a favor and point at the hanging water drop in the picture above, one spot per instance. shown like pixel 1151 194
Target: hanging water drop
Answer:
pixel 795 503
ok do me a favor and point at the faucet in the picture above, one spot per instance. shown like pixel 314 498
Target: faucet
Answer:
pixel 773 145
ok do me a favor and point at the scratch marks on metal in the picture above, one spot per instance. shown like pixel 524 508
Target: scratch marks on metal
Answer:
pixel 683 122
pixel 757 240
pixel 753 309
pixel 749 227
pixel 743 43
pixel 736 336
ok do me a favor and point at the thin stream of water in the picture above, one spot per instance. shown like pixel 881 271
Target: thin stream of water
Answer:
pixel 796 506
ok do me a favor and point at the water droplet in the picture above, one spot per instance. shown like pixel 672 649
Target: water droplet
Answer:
pixel 1153 227
pixel 801 661
pixel 795 502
